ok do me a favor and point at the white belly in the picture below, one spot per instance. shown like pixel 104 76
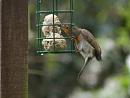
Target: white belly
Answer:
pixel 86 50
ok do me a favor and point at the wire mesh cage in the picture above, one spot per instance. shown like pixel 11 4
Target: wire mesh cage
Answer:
pixel 53 8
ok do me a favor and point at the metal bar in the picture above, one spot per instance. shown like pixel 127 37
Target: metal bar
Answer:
pixel 71 20
pixel 38 22
pixel 56 7
pixel 61 51
pixel 56 11
pixel 40 45
pixel 37 16
pixel 55 24
pixel 53 38
pixel 37 19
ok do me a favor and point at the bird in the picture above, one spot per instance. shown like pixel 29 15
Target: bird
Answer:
pixel 85 43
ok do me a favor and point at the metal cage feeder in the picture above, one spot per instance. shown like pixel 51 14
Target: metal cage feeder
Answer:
pixel 55 11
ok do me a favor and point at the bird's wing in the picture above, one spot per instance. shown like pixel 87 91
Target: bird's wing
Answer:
pixel 92 41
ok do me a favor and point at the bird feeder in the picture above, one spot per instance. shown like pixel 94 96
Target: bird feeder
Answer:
pixel 43 38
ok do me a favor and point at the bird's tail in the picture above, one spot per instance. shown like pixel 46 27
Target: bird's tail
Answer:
pixel 87 60
pixel 98 55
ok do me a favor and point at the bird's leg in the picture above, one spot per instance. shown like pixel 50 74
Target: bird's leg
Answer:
pixel 87 60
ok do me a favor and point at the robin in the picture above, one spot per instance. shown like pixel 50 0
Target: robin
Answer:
pixel 85 44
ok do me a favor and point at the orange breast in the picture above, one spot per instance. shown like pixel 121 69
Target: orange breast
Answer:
pixel 77 38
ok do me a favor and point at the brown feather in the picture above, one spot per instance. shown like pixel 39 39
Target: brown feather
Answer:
pixel 92 41
pixel 87 36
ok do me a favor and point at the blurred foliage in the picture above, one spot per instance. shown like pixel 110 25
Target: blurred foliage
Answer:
pixel 54 75
pixel 123 38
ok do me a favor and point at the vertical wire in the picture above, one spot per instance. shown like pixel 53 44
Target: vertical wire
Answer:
pixel 56 7
pixel 37 23
pixel 37 16
pixel 56 1
pixel 72 23
pixel 70 27
pixel 53 24
pixel 40 26
pixel 71 20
